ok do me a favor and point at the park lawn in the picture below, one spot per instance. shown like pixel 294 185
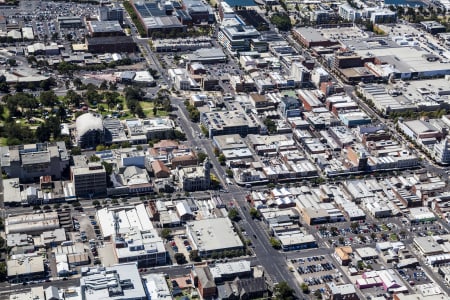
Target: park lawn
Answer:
pixel 147 107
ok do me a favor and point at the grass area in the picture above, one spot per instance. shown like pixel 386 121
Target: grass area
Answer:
pixel 393 237
pixel 147 107
pixel 384 227
pixel 3 141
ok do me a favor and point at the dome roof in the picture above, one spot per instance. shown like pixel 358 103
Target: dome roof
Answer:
pixel 89 122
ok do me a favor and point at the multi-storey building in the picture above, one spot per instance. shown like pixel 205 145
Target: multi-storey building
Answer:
pixel 88 178
pixel 237 38
pixel 29 162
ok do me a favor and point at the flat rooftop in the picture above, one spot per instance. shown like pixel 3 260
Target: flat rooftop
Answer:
pixel 405 59
pixel 214 234
pixel 105 26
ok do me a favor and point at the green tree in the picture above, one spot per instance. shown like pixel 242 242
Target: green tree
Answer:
pixel 108 168
pixel 276 244
pixel 95 203
pixel 166 233
pixel 48 98
pixel 233 214
pixel 73 98
pixel 180 258
pixel 282 21
pixel 201 156
pixel 204 130
pixel 75 151
pixel 283 291
pixel 178 135
pixel 254 213
pixel 222 159
pixel 270 124
pixel 229 172
pixel 94 158
pixel 43 133
pixel 77 82
pixel 354 226
pixel 194 256
pixel 103 85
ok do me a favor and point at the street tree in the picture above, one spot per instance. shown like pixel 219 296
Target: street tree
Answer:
pixel 283 291
pixel 233 214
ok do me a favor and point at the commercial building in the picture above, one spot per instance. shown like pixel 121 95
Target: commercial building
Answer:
pixel 31 161
pixel 183 45
pixel 117 282
pixel 229 142
pixel 183 81
pixel 156 17
pixel 418 130
pixel 111 44
pixel 70 22
pixel 210 55
pixel 349 13
pixel 134 239
pixel 289 107
pixel 195 178
pixel 341 292
pixel 106 13
pixel 343 255
pixel 104 28
pixel 355 118
pixel 237 38
pixel 25 269
pixel 433 27
pixel 148 129
pixel 11 192
pixel 88 178
pixel 382 100
pixel 229 122
pixel 383 16
pixel 292 241
pixel 442 151
pixel 198 11
pixel 406 62
pixel 311 37
pixel 428 245
pixel 32 223
pixel 213 236
pixel 230 270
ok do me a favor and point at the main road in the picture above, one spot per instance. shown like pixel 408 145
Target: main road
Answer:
pixel 272 260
